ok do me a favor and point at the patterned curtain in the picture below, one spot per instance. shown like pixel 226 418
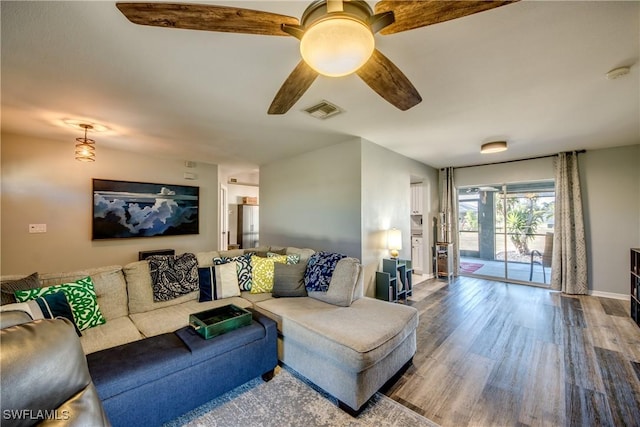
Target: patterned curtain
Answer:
pixel 448 227
pixel 569 264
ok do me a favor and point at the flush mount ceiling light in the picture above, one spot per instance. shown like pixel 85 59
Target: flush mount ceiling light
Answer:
pixel 493 147
pixel 85 148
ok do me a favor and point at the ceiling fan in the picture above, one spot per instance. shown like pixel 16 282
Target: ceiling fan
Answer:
pixel 336 37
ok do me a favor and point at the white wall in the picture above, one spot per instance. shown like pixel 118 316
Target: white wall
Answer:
pixel 523 171
pixel 313 200
pixel 610 180
pixel 42 183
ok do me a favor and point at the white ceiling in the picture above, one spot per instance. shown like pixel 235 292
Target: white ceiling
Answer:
pixel 532 73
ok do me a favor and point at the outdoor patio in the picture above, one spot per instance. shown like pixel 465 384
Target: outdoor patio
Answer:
pixel 516 271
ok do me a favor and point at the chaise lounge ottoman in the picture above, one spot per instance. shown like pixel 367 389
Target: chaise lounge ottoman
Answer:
pixel 350 352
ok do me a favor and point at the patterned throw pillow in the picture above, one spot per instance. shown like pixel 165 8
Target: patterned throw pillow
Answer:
pixel 82 299
pixel 218 281
pixel 288 259
pixel 46 307
pixel 262 272
pixel 319 271
pixel 243 269
pixel 173 276
pixel 9 287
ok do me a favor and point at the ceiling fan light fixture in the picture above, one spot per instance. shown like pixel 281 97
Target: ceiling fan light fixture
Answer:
pixel 337 46
pixel 493 147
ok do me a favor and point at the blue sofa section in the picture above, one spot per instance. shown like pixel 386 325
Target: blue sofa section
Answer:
pixel 157 379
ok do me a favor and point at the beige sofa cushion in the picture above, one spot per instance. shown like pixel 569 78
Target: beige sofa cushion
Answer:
pixel 170 318
pixel 108 282
pixel 114 332
pixel 140 289
pixel 343 285
pixel 355 337
pixel 205 259
pixel 304 253
pixel 254 298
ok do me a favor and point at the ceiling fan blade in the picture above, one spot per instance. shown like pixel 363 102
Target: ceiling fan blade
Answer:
pixel 206 17
pixel 389 82
pixel 416 14
pixel 293 88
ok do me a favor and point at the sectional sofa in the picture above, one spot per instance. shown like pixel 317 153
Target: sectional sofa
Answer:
pixel 348 349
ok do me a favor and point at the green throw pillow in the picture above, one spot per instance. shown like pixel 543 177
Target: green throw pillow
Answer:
pixel 82 299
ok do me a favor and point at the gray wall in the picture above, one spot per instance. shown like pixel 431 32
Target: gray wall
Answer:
pixel 611 203
pixel 313 200
pixel 42 183
pixel 342 198
pixel 386 179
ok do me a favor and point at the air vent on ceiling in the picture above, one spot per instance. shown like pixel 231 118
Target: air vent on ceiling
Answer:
pixel 323 110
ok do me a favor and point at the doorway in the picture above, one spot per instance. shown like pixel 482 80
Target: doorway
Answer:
pixel 224 218
pixel 506 231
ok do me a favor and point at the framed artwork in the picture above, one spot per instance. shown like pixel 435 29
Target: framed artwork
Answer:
pixel 124 209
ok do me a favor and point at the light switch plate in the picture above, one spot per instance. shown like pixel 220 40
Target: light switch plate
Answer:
pixel 37 228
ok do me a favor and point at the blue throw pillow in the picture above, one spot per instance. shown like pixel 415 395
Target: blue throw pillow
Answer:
pixel 218 282
pixel 49 306
pixel 320 267
pixel 56 305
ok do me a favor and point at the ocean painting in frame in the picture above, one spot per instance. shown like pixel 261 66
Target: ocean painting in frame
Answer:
pixel 124 209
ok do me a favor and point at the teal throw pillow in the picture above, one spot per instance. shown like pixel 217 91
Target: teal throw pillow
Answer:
pixel 82 299
pixel 243 264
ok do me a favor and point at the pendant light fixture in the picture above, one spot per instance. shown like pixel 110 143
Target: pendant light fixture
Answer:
pixel 85 148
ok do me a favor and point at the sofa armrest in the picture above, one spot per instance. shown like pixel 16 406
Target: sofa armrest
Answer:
pixel 269 325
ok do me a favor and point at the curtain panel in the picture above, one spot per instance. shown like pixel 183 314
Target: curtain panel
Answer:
pixel 448 227
pixel 569 264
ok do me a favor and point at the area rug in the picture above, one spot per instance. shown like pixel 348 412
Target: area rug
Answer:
pixel 288 400
pixel 469 267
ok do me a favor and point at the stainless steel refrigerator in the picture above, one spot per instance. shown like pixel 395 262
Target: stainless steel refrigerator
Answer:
pixel 248 226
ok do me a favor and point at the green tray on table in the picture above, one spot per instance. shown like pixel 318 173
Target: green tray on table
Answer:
pixel 217 321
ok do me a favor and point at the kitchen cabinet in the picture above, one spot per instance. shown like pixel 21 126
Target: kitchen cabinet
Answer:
pixel 417 254
pixel 416 199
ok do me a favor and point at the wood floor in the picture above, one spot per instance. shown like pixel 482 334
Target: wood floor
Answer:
pixel 495 354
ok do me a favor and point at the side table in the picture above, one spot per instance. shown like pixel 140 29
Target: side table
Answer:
pixel 394 281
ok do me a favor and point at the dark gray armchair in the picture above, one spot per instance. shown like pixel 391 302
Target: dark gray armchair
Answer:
pixel 44 375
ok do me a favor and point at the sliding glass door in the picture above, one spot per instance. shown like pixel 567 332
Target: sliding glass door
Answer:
pixel 506 231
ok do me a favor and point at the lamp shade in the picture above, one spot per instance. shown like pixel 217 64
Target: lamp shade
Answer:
pixel 337 46
pixel 85 147
pixel 394 241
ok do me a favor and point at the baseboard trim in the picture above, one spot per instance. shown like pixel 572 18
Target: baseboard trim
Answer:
pixel 613 295
pixel 425 276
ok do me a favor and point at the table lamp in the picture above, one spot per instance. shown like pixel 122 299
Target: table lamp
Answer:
pixel 394 242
